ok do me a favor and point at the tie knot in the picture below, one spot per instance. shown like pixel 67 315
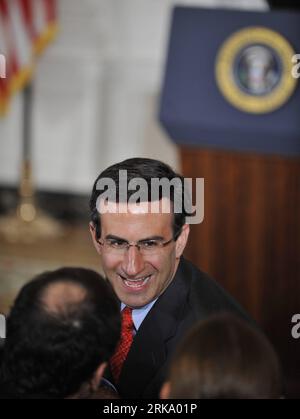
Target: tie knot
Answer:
pixel 127 322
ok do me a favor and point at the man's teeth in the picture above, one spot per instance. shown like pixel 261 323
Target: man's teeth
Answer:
pixel 135 283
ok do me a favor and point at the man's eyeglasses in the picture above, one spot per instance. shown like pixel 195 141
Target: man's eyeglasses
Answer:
pixel 146 247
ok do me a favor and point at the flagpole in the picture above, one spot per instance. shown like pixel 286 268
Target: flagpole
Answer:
pixel 28 224
pixel 28 98
pixel 26 207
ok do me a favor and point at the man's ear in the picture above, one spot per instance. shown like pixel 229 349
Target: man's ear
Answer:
pixel 97 376
pixel 165 391
pixel 182 240
pixel 94 237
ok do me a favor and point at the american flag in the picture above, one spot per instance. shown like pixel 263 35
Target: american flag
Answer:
pixel 26 27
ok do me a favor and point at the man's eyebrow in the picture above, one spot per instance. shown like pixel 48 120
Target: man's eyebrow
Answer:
pixel 113 237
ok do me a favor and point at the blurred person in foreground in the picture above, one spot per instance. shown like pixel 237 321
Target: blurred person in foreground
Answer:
pixel 224 357
pixel 61 331
pixel 140 237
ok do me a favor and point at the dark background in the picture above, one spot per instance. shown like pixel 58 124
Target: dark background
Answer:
pixel 284 4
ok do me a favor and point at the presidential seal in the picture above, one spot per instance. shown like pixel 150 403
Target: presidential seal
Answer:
pixel 254 70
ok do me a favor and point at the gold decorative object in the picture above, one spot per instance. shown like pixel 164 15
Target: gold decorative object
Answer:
pixel 28 224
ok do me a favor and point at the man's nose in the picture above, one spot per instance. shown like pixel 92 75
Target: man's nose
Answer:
pixel 133 262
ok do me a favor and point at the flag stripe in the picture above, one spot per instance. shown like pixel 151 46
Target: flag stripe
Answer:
pixel 26 27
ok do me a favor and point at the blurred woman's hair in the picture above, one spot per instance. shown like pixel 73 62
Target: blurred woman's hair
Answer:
pixel 224 357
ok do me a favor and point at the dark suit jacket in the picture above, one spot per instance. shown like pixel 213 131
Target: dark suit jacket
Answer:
pixel 190 297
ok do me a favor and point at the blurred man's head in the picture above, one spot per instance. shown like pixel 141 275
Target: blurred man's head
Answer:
pixel 140 248
pixel 224 357
pixel 61 331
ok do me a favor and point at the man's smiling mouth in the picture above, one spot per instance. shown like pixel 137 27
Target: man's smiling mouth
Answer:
pixel 136 283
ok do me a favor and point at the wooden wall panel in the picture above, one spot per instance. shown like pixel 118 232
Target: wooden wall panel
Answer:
pixel 250 238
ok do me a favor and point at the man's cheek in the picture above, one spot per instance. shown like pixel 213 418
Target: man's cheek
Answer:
pixel 108 264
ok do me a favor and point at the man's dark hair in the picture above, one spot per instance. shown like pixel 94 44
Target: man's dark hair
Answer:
pixel 146 169
pixel 54 345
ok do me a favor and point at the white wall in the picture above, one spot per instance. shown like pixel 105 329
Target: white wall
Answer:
pixel 96 92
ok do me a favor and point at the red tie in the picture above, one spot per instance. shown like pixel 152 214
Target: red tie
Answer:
pixel 117 360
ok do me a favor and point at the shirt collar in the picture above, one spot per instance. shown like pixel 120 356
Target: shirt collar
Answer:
pixel 139 314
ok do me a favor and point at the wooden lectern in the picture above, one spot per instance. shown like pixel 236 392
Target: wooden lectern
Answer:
pixel 244 140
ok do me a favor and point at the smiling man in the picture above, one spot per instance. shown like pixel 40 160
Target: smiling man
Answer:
pixel 139 252
pixel 140 240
